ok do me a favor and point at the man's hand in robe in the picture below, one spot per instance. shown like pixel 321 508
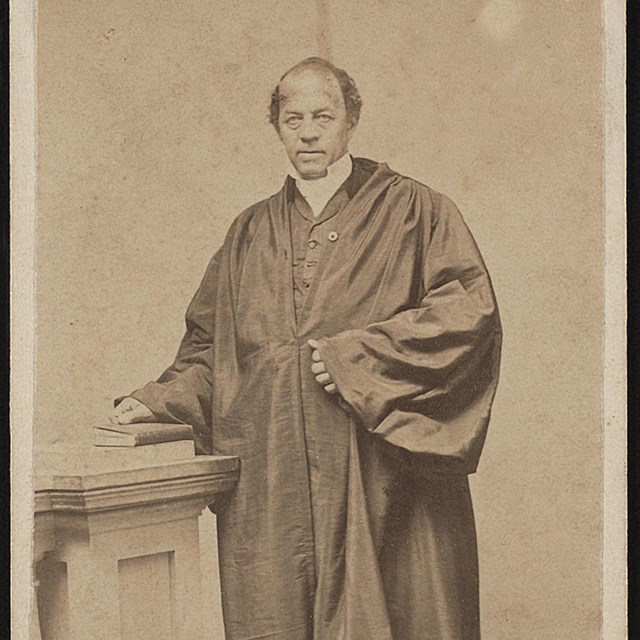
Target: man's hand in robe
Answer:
pixel 318 367
pixel 131 410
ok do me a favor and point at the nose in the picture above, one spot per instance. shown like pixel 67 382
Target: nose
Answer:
pixel 309 131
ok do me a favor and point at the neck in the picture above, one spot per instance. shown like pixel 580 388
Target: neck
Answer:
pixel 341 166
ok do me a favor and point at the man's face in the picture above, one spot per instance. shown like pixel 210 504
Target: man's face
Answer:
pixel 313 121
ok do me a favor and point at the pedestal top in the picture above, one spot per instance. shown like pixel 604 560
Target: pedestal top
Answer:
pixel 78 476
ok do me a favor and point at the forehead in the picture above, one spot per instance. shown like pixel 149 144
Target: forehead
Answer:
pixel 310 87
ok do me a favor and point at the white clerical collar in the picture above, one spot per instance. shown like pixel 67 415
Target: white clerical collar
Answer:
pixel 319 191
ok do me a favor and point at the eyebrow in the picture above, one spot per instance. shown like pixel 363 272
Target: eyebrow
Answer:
pixel 316 112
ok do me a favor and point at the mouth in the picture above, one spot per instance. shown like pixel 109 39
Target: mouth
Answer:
pixel 310 153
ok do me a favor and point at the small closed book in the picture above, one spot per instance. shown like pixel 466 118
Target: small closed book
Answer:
pixel 140 434
pixel 148 453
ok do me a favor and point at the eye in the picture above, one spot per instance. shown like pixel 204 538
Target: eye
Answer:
pixel 293 121
pixel 323 118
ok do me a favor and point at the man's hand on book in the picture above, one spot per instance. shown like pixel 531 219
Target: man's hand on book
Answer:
pixel 131 410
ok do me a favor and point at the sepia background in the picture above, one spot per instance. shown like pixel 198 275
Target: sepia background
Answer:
pixel 153 135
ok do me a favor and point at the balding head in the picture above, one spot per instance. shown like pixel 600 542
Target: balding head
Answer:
pixel 323 68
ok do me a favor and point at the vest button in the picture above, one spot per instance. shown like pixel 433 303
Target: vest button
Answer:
pixel 333 236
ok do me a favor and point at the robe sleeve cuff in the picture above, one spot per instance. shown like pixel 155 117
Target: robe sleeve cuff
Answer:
pixel 341 372
pixel 152 395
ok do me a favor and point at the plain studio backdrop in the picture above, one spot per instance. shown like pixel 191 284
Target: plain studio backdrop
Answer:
pixel 154 134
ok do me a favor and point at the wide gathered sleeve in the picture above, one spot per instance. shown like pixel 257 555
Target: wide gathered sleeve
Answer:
pixel 183 392
pixel 424 379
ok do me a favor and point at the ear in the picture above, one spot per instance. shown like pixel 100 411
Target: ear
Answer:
pixel 351 130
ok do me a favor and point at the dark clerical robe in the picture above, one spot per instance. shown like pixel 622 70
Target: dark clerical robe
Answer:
pixel 352 518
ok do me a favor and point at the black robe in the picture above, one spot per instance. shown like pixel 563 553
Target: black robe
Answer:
pixel 381 546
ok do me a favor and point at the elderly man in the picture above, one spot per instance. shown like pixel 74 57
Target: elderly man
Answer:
pixel 344 343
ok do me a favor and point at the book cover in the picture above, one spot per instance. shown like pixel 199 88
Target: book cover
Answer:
pixel 150 453
pixel 139 434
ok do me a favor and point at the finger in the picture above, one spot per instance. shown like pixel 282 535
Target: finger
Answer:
pixel 126 405
pixel 133 416
pixel 318 367
pixel 331 388
pixel 123 406
pixel 315 355
pixel 324 378
pixel 312 343
pixel 137 413
pixel 126 418
pixel 115 414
